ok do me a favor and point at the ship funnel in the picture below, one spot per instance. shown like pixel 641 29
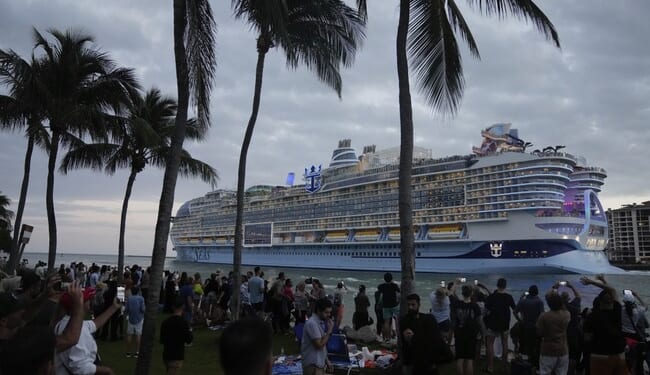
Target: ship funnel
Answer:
pixel 344 155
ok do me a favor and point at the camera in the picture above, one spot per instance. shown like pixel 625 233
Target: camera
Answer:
pixel 526 293
pixel 443 284
pixel 563 283
pixel 627 292
pixel 475 282
pixel 120 294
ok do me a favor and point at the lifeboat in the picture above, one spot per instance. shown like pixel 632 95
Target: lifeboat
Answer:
pixel 336 236
pixel 367 234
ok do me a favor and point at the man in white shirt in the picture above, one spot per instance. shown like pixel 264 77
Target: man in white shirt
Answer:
pixel 81 359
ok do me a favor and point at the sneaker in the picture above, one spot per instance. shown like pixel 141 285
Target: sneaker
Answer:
pixel 136 355
pixel 128 355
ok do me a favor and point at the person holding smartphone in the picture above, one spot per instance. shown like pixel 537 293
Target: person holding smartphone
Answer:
pixel 82 358
pixel 317 331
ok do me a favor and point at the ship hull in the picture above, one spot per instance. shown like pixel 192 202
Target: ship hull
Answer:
pixel 466 257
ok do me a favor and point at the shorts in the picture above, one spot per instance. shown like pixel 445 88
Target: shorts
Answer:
pixel 390 312
pixel 134 329
pixel 445 325
pixel 495 333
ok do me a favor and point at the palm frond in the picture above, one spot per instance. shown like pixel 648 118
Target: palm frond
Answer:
pixel 194 131
pixel 11 115
pixel 461 27
pixel 362 8
pixel 90 156
pixel 264 17
pixel 522 9
pixel 118 160
pixel 435 55
pixel 143 135
pixel 202 61
pixel 323 35
pixel 5 213
pixel 191 167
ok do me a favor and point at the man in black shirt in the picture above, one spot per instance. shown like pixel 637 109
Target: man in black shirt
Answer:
pixel 421 339
pixel 175 332
pixel 498 306
pixel 389 292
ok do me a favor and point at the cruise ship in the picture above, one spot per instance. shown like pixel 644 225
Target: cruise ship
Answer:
pixel 501 209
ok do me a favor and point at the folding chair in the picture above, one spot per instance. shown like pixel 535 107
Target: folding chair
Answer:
pixel 337 352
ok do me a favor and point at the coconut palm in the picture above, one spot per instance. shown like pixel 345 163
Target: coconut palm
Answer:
pixel 143 139
pixel 20 109
pixel 323 35
pixel 79 87
pixel 195 66
pixel 429 38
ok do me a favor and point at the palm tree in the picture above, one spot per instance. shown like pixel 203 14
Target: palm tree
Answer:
pixel 322 35
pixel 195 65
pixel 5 222
pixel 143 139
pixel 20 109
pixel 430 40
pixel 79 87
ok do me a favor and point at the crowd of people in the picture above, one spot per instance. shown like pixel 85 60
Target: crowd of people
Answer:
pixel 550 334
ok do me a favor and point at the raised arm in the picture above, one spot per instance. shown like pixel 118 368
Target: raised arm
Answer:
pixel 106 315
pixel 70 335
pixel 576 293
pixel 602 284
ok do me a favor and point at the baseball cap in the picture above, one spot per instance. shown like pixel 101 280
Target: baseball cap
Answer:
pixel 66 298
pixel 8 304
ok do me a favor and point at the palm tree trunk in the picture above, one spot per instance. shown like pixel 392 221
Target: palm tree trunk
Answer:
pixel 49 201
pixel 125 207
pixel 167 195
pixel 15 246
pixel 241 181
pixel 406 158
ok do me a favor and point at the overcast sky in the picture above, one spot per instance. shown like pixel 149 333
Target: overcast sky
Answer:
pixel 593 96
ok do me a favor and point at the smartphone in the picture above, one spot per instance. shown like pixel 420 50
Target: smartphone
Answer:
pixel 120 293
pixel 627 292
pixel 563 283
pixel 463 280
pixel 526 293
pixel 65 286
pixel 443 284
pixel 475 282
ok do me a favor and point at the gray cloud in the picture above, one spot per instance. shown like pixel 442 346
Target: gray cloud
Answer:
pixel 591 96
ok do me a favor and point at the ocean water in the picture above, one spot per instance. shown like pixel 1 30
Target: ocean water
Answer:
pixel 424 283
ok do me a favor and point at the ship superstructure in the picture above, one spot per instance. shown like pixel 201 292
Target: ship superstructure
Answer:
pixel 499 210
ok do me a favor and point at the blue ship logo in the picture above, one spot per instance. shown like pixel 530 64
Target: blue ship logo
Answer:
pixel 495 249
pixel 313 179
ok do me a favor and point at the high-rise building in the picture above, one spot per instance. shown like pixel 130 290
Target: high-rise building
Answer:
pixel 629 233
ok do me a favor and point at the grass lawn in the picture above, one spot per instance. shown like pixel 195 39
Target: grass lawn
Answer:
pixel 203 356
